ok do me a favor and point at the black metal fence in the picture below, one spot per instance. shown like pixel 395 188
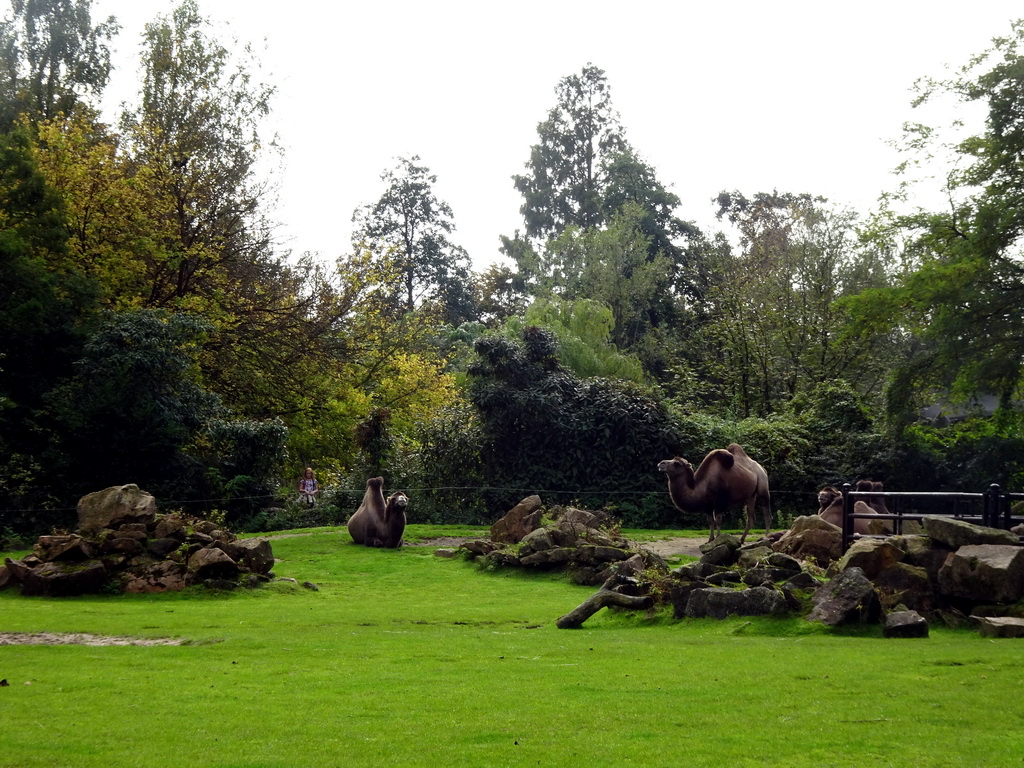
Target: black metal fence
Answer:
pixel 992 508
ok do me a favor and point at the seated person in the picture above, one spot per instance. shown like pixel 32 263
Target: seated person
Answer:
pixel 308 487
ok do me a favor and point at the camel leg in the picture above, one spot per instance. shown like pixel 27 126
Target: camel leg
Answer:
pixel 767 517
pixel 750 521
pixel 715 524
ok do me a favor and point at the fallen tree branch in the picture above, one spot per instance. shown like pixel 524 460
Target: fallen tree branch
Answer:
pixel 604 597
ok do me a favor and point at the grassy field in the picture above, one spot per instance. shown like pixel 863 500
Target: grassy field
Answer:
pixel 403 658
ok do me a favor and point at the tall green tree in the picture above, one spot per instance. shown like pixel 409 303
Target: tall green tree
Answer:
pixel 52 58
pixel 199 128
pixel 583 329
pixel 415 226
pixel 193 143
pixel 600 225
pixel 612 265
pixel 960 293
pixel 565 178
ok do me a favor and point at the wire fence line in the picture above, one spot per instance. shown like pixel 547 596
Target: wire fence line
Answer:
pixel 359 491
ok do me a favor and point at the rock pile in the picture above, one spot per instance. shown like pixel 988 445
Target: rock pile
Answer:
pixel 122 543
pixel 950 572
pixel 584 543
pixel 953 570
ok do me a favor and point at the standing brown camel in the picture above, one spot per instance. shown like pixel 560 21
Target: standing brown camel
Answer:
pixel 725 477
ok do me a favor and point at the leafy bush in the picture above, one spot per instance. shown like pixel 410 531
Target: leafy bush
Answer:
pixel 543 430
pixel 449 472
pixel 242 458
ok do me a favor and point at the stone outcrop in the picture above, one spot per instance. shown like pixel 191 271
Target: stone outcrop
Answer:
pixel 719 602
pixel 953 534
pixel 115 506
pixel 519 521
pixel 905 624
pixel 872 556
pixel 584 543
pixel 811 538
pixel 999 626
pixel 124 544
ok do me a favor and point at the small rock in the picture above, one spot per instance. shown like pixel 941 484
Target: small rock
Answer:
pixel 905 624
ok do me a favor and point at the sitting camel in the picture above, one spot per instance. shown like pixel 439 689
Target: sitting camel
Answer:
pixel 379 523
pixel 725 477
pixel 830 509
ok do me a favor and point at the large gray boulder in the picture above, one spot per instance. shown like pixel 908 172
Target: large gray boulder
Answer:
pixel 849 598
pixel 752 557
pixel 538 540
pixel 59 579
pixel 953 534
pixel 905 584
pixel 63 547
pixel 212 563
pixel 920 551
pixel 995 626
pixel 870 555
pixel 256 554
pixel 729 540
pixel 719 602
pixel 113 506
pixel 165 576
pixel 547 557
pixel 988 573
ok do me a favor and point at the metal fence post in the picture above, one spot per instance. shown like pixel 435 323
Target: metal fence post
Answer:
pixel 847 515
pixel 990 509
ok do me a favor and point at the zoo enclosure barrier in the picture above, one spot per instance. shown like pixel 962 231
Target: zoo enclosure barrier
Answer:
pixel 992 508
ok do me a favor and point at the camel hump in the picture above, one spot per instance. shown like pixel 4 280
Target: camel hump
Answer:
pixel 724 457
pixel 736 449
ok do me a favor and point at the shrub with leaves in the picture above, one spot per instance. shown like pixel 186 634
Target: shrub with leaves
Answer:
pixel 591 441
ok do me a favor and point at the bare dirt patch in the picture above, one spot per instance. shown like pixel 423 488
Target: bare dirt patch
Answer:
pixel 671 547
pixel 81 638
pixel 439 541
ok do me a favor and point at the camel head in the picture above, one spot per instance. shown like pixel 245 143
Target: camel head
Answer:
pixel 676 467
pixel 827 495
pixel 398 500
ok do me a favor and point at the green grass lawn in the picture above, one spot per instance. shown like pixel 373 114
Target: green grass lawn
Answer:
pixel 403 658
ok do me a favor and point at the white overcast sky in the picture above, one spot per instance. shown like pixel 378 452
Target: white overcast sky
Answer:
pixel 794 95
